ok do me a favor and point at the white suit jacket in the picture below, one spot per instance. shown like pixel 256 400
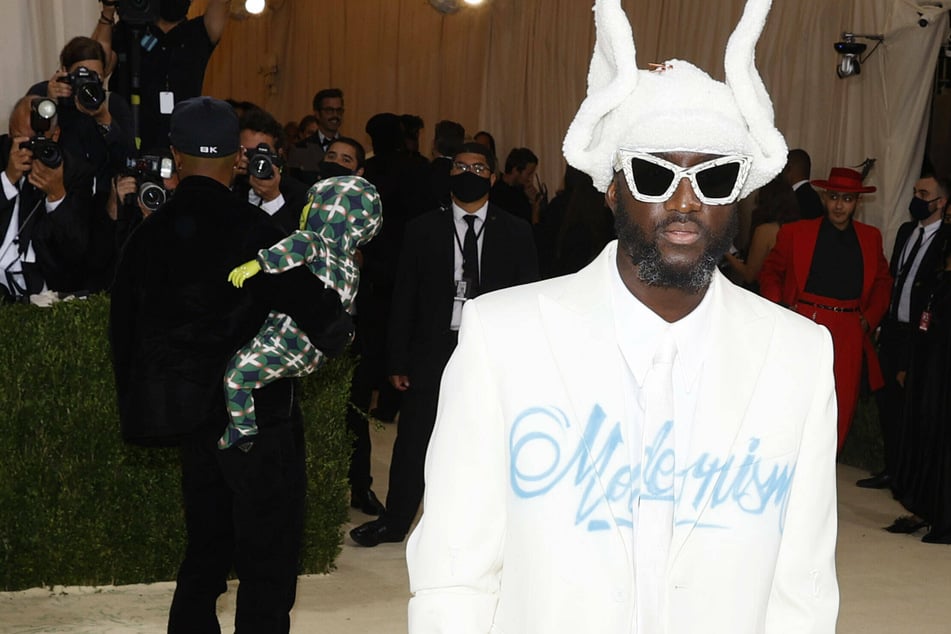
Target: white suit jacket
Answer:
pixel 527 514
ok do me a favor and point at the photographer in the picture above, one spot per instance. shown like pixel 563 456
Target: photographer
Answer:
pixel 146 184
pixel 258 174
pixel 45 206
pixel 172 52
pixel 96 127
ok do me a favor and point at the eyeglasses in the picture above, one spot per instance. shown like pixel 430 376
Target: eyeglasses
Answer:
pixel 651 179
pixel 330 110
pixel 479 169
pixel 837 196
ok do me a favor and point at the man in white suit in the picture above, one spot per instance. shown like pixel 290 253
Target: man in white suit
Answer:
pixel 642 446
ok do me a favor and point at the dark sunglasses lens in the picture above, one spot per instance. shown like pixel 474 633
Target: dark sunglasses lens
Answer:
pixel 649 178
pixel 718 181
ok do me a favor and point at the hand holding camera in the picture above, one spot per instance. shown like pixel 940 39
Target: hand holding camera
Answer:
pixel 262 165
pixel 150 172
pixel 84 86
pixel 20 160
pixel 48 179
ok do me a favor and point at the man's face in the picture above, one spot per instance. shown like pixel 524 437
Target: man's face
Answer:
pixel 526 175
pixel 676 243
pixel 840 207
pixel 250 139
pixel 927 189
pixel 345 155
pixel 330 115
pixel 475 163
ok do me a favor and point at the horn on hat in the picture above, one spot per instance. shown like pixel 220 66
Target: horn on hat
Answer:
pixel 751 97
pixel 612 78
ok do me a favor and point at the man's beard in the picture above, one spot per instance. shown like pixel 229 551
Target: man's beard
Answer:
pixel 651 267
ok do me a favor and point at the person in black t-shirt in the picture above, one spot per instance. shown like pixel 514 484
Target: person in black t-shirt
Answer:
pixel 173 53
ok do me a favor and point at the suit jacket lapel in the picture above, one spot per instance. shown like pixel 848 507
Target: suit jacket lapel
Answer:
pixel 805 247
pixel 589 362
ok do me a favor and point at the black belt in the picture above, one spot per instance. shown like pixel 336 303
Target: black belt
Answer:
pixel 835 309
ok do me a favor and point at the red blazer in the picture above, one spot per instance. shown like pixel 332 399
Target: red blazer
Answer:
pixel 786 269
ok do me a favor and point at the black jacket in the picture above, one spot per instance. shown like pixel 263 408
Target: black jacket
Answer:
pixel 420 339
pixel 61 238
pixel 176 320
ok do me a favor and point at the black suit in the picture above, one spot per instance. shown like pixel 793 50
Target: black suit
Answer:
pixel 895 338
pixel 810 205
pixel 60 238
pixel 304 157
pixel 420 340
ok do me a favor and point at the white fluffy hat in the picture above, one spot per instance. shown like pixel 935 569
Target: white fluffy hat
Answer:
pixel 675 107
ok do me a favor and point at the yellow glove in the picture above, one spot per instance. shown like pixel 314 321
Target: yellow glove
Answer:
pixel 241 273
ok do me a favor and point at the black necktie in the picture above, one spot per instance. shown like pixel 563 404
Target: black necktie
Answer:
pixel 903 271
pixel 470 256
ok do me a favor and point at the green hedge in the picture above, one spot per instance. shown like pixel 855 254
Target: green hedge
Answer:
pixel 79 507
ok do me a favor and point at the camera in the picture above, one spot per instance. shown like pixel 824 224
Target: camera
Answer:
pixel 46 151
pixel 261 161
pixel 150 169
pixel 138 12
pixel 87 87
pixel 851 52
pixel 849 48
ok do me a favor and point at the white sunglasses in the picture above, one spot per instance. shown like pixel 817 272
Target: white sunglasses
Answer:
pixel 651 179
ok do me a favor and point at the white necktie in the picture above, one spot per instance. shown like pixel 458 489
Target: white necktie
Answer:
pixel 656 502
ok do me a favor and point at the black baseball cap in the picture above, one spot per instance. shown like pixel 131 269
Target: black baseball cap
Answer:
pixel 204 126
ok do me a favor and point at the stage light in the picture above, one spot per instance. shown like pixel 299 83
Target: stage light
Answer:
pixel 254 6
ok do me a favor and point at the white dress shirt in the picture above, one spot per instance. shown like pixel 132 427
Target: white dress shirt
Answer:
pixel 640 331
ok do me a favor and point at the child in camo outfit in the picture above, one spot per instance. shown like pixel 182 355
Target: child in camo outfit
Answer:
pixel 341 214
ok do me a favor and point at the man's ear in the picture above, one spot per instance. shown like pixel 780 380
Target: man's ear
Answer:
pixel 176 159
pixel 359 171
pixel 610 195
pixel 492 179
pixel 54 135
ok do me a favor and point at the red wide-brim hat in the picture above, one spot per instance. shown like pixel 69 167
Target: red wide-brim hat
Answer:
pixel 845 180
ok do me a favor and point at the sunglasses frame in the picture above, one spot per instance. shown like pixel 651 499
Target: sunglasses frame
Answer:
pixel 622 162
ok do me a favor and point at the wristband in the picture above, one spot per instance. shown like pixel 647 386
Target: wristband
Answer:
pixel 109 3
pixel 104 20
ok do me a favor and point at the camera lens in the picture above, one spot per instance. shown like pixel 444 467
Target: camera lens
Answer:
pixel 261 167
pixel 50 155
pixel 90 95
pixel 151 195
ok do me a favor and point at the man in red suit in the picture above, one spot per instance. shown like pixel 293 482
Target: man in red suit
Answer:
pixel 833 270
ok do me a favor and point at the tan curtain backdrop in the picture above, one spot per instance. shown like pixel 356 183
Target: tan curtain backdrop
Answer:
pixel 517 68
pixel 32 32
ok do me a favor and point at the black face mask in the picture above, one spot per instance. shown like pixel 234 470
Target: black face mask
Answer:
pixel 468 187
pixel 919 208
pixel 328 169
pixel 174 10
